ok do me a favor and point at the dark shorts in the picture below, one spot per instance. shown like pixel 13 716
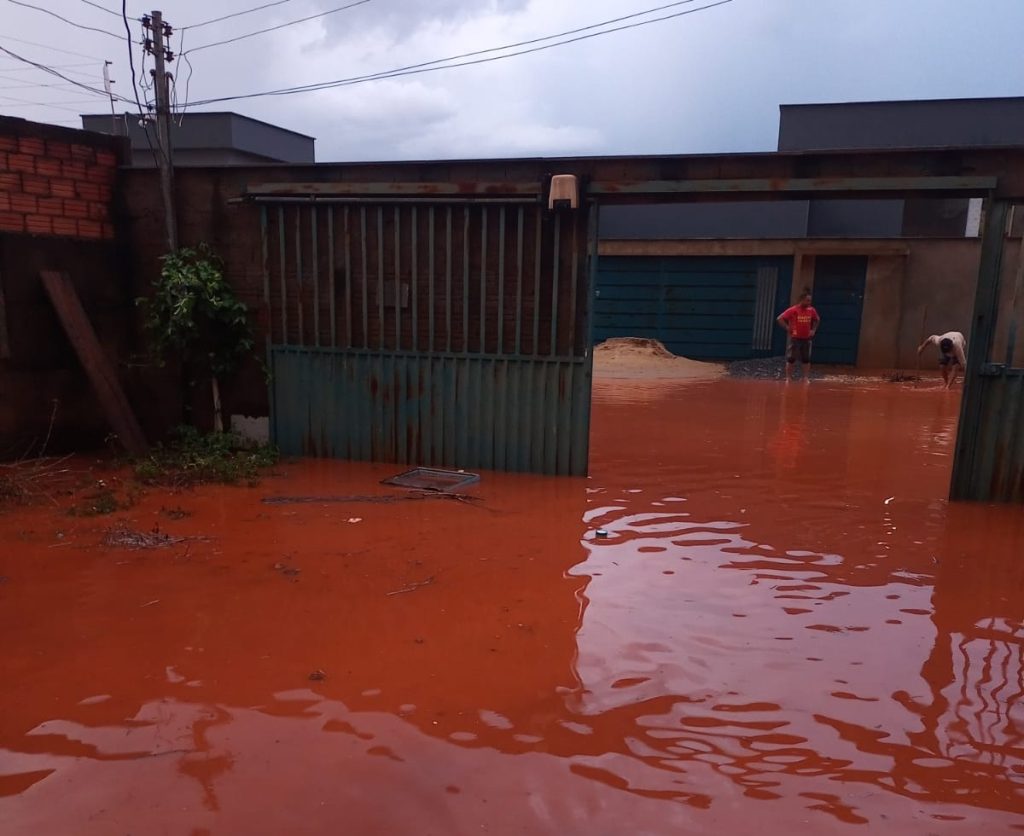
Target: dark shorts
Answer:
pixel 799 350
pixel 948 360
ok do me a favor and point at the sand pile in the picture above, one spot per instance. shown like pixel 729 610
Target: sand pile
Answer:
pixel 633 357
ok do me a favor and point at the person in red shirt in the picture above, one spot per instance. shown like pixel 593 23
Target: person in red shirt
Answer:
pixel 801 323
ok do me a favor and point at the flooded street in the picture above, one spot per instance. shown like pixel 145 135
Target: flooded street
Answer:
pixel 787 629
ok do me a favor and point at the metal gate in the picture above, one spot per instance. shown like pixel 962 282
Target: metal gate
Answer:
pixel 839 282
pixel 989 461
pixel 707 308
pixel 430 331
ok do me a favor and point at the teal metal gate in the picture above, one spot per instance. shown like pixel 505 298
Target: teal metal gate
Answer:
pixel 839 282
pixel 430 331
pixel 706 308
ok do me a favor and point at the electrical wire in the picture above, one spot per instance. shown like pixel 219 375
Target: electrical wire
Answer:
pixel 37 84
pixel 145 81
pixel 60 75
pixel 144 123
pixel 51 48
pixel 66 67
pixel 279 26
pixel 55 66
pixel 7 75
pixel 233 14
pixel 532 41
pixel 131 58
pixel 435 66
pixel 20 103
pixel 31 103
pixel 66 20
pixel 188 79
pixel 101 8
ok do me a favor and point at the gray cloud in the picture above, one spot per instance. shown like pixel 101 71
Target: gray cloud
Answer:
pixel 708 82
pixel 401 19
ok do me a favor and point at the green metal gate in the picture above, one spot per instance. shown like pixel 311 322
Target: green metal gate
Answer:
pixel 989 461
pixel 430 331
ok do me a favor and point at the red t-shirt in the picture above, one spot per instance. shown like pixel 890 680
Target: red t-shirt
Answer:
pixel 800 321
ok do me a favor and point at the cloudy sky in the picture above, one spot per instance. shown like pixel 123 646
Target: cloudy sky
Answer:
pixel 709 80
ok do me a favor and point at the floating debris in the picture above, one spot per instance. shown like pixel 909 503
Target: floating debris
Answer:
pixel 124 537
pixel 432 479
pixel 413 586
pixel 371 498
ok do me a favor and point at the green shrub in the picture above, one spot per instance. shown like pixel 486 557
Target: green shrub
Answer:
pixel 193 458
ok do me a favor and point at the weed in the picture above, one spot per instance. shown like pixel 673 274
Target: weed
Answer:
pixel 103 500
pixel 193 458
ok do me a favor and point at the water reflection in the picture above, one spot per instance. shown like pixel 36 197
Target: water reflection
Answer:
pixel 786 624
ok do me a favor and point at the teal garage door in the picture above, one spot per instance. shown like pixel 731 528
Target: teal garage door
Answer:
pixel 704 308
pixel 839 299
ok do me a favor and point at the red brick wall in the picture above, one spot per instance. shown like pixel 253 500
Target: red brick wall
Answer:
pixel 56 181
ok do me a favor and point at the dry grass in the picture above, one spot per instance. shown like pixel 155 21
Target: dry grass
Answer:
pixel 33 480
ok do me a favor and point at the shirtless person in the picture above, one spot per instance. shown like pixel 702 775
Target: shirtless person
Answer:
pixel 951 353
pixel 801 323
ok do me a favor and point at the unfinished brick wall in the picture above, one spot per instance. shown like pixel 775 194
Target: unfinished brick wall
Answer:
pixel 57 192
pixel 56 181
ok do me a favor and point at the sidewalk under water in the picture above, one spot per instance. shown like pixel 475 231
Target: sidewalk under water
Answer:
pixel 787 629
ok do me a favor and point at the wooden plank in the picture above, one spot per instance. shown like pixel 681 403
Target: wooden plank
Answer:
pixel 101 373
pixel 5 344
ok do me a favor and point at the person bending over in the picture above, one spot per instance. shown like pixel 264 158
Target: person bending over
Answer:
pixel 951 354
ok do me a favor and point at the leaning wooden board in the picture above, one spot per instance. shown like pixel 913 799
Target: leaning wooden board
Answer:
pixel 102 375
pixel 5 345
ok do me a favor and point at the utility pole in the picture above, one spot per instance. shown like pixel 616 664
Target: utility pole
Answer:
pixel 162 56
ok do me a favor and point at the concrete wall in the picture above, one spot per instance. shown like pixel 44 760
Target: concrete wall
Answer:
pixel 880 326
pixel 939 123
pixel 212 139
pixel 938 294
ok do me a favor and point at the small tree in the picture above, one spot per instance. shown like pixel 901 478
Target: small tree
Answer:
pixel 195 316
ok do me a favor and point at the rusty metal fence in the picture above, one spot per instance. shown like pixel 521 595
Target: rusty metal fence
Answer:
pixel 444 332
pixel 989 461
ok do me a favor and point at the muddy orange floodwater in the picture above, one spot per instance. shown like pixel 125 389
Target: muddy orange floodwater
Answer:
pixel 787 630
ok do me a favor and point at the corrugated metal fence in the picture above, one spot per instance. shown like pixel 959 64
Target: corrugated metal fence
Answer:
pixel 989 461
pixel 446 333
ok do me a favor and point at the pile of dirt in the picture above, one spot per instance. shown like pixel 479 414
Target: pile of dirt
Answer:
pixel 633 357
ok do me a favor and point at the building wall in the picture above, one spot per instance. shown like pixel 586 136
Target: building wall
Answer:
pixel 880 325
pixel 56 210
pixel 211 139
pixel 914 288
pixel 938 123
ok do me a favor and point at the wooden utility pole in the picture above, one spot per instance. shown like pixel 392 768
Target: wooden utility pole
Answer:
pixel 161 56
